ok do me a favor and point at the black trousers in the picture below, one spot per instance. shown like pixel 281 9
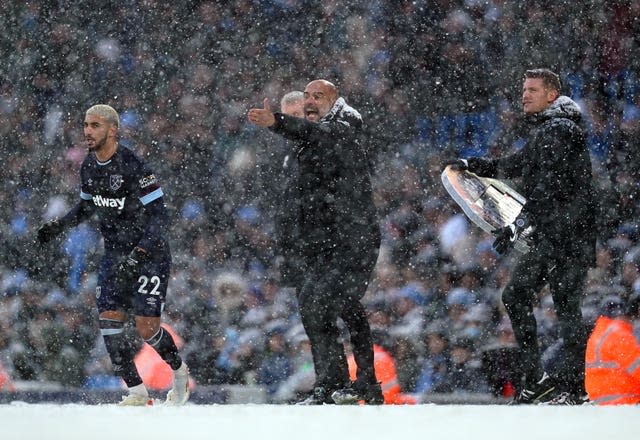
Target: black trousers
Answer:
pixel 565 276
pixel 333 286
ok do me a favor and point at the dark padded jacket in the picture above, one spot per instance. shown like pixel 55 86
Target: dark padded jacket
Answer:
pixel 333 205
pixel 555 174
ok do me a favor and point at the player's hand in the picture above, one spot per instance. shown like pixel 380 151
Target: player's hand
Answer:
pixel 129 266
pixel 49 230
pixel 457 164
pixel 262 117
pixel 507 236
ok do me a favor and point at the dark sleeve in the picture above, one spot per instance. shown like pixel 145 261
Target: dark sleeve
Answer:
pixel 298 129
pixel 157 224
pixel 511 166
pixel 152 198
pixel 83 210
pixel 482 167
pixel 555 160
pixel 508 166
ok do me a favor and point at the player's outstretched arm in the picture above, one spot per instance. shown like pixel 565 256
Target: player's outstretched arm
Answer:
pixel 51 229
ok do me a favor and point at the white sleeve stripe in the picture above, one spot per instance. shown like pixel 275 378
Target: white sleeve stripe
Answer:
pixel 156 194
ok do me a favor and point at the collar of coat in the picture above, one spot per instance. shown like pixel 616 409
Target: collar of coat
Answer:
pixel 342 112
pixel 562 107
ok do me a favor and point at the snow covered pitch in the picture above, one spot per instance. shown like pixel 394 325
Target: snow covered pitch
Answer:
pixel 20 421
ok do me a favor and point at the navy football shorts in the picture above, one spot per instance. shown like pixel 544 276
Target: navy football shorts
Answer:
pixel 144 296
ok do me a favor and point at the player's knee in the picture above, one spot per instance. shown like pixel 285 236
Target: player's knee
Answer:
pixel 147 326
pixel 154 340
pixel 148 333
pixel 148 330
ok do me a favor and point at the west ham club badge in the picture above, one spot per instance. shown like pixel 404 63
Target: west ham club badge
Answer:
pixel 115 181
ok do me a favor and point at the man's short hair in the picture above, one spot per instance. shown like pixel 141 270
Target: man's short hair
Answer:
pixel 550 80
pixel 291 98
pixel 105 111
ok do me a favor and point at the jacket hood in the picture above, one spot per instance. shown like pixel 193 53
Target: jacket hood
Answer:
pixel 341 111
pixel 562 107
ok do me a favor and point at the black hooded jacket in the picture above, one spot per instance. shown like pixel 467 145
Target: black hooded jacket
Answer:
pixel 333 204
pixel 555 174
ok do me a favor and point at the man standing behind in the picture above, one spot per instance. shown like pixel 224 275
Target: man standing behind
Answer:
pixel 134 270
pixel 555 171
pixel 292 104
pixel 287 200
pixel 340 236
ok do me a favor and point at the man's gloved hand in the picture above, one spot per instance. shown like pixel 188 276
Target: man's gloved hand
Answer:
pixel 457 164
pixel 49 230
pixel 129 266
pixel 507 236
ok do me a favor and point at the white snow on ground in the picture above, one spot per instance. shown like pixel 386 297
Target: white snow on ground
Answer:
pixel 20 421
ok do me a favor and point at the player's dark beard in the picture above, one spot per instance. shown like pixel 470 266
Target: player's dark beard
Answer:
pixel 97 144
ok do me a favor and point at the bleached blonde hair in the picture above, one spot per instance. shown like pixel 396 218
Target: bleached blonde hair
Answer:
pixel 105 111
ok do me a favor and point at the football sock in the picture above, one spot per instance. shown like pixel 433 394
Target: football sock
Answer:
pixel 164 345
pixel 120 351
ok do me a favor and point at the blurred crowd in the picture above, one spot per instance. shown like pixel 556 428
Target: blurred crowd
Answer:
pixel 433 80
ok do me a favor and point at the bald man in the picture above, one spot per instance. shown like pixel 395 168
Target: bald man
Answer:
pixel 338 222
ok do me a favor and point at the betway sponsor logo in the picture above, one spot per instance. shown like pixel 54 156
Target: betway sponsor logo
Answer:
pixel 105 202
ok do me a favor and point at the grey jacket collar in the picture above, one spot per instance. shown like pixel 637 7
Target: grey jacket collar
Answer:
pixel 563 107
pixel 341 111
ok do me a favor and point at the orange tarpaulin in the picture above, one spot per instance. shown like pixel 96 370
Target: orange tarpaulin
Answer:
pixel 385 368
pixel 5 381
pixel 612 374
pixel 156 373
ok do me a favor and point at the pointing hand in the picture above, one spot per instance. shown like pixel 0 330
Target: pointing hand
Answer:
pixel 262 117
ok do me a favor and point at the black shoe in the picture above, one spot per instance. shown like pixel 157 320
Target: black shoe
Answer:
pixel 319 396
pixel 371 394
pixel 540 392
pixel 566 398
